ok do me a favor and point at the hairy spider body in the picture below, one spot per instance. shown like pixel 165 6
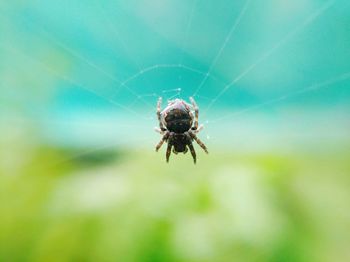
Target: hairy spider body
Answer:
pixel 177 120
pixel 179 127
pixel 179 142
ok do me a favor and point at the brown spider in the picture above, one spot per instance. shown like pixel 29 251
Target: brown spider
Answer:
pixel 175 125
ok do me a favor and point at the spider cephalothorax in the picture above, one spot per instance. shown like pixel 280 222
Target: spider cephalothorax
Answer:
pixel 175 124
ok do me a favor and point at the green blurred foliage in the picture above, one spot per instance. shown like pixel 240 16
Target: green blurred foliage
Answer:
pixel 228 207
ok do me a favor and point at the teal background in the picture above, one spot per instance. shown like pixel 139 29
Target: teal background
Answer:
pixel 79 178
pixel 87 59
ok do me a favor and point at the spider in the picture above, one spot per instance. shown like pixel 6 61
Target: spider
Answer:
pixel 175 125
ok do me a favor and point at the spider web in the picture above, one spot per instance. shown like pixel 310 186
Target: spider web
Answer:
pixel 129 87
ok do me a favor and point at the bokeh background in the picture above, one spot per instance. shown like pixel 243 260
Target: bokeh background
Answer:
pixel 79 177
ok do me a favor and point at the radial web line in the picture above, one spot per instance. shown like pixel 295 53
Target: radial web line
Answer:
pixel 76 83
pixel 120 39
pixel 110 76
pixel 180 65
pixel 118 35
pixel 227 38
pixel 90 63
pixel 188 27
pixel 310 88
pixel 177 94
pixel 269 52
pixel 158 66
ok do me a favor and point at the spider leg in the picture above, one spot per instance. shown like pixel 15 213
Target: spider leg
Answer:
pixel 200 128
pixel 159 145
pixel 164 138
pixel 168 151
pixel 196 112
pixel 199 142
pixel 157 129
pixel 159 115
pixel 186 149
pixel 193 152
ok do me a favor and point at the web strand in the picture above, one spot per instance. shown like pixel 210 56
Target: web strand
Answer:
pixel 117 34
pixel 75 54
pixel 124 45
pixel 269 52
pixel 77 84
pixel 162 66
pixel 223 46
pixel 140 71
pixel 310 88
pixel 188 27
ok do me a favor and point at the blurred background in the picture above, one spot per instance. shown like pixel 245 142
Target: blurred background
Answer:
pixel 79 177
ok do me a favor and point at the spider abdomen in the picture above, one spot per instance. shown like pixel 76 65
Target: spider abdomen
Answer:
pixel 179 142
pixel 178 121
